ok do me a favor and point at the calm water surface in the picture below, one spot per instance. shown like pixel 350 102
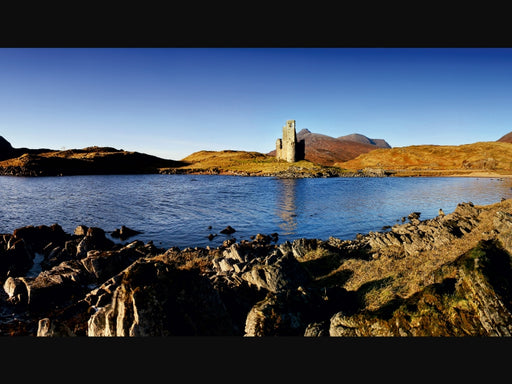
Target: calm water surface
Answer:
pixel 177 210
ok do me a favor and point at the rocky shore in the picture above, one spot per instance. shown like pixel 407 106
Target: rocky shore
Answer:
pixel 292 172
pixel 446 276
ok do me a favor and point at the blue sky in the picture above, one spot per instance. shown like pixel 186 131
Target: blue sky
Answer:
pixel 171 102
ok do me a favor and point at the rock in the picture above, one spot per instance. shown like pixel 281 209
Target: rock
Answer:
pixel 68 280
pixel 228 230
pixel 225 265
pixel 56 256
pixel 95 232
pixel 94 240
pixel 286 273
pixel 503 223
pixel 124 233
pixel 104 264
pixel 446 276
pixel 36 238
pixel 16 260
pixel 48 328
pixel 16 289
pixel 172 302
pixel 81 230
pixel 317 329
pixel 236 252
pixel 264 239
pixel 228 242
pixel 57 286
pixel 68 321
pixel 414 218
pixel 276 315
pixel 464 302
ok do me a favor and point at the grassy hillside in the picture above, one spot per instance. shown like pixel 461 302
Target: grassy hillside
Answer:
pixel 242 162
pixel 482 156
pixel 91 160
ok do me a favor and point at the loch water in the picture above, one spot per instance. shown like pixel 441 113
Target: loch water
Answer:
pixel 182 210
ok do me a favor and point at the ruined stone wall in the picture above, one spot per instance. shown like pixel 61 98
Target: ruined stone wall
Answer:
pixel 279 149
pixel 286 147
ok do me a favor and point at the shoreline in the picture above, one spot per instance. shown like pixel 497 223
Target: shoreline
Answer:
pixel 292 172
pixel 351 173
pixel 433 277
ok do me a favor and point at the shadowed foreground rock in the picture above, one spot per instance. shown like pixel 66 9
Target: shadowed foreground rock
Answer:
pixel 446 276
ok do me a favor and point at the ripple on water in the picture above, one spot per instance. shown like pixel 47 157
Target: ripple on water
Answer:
pixel 177 210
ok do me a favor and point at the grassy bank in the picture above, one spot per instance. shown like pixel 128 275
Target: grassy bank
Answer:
pixel 229 162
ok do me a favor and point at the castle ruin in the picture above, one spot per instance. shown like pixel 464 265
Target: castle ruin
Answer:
pixel 287 148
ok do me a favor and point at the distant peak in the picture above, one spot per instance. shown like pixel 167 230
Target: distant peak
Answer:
pixel 4 144
pixel 304 130
pixel 506 138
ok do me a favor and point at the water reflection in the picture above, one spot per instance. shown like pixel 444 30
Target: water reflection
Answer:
pixel 286 208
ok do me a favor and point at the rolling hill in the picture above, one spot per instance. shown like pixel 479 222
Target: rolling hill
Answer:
pixel 249 163
pixel 482 156
pixel 86 161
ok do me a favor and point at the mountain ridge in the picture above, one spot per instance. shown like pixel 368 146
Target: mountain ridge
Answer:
pixel 380 143
pixel 327 150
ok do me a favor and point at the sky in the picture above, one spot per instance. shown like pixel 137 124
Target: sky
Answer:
pixel 172 102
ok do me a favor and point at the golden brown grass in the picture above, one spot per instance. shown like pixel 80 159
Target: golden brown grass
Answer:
pixel 488 156
pixel 406 275
pixel 229 161
pixel 86 153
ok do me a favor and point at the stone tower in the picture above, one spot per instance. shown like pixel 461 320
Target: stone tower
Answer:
pixel 286 147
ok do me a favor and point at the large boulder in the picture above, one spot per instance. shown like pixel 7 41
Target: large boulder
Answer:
pixel 124 233
pixel 104 264
pixel 70 279
pixel 280 314
pixel 285 273
pixel 15 258
pixel 157 299
pixel 94 239
pixel 37 238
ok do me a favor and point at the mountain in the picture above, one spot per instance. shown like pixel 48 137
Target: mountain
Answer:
pixel 327 150
pixel 6 149
pixel 507 138
pixel 380 143
pixel 8 152
pixel 4 144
